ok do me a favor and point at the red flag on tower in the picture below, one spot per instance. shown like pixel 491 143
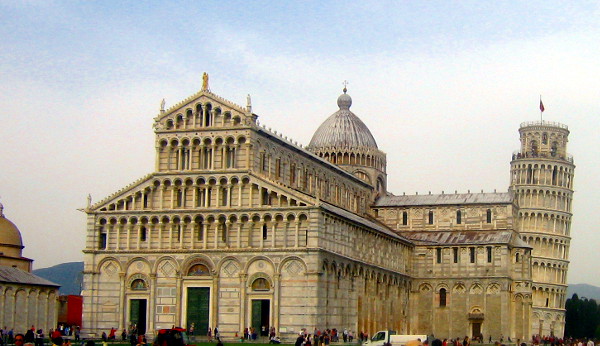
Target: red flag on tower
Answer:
pixel 541 106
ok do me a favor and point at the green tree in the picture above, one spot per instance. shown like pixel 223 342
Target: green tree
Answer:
pixel 582 318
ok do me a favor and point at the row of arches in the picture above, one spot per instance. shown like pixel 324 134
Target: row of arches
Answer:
pixel 547 246
pixel 201 231
pixel 202 115
pixel 358 157
pixel 462 287
pixel 138 267
pixel 545 222
pixel 544 271
pixel 207 153
pixel 552 141
pixel 548 297
pixel 317 180
pixel 22 307
pixel 544 174
pixel 380 297
pixel 201 192
pixel 544 199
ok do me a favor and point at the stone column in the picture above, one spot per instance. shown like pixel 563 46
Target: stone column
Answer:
pixel 239 235
pixel 178 303
pixel 129 229
pixel 122 309
pixel 297 234
pixel 276 297
pixel 204 231
pixel 229 192
pixel 216 234
pixel 212 156
pixel 273 228
pixel 242 317
pixel 214 300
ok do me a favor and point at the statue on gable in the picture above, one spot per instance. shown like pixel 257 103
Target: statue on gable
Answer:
pixel 205 82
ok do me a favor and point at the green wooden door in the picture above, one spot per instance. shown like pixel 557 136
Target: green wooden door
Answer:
pixel 260 314
pixel 256 314
pixel 137 314
pixel 198 307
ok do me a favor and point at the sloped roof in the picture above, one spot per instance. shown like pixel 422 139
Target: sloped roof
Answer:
pixel 445 199
pixel 475 237
pixel 18 276
pixel 361 220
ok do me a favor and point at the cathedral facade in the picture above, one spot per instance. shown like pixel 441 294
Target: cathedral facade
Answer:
pixel 239 227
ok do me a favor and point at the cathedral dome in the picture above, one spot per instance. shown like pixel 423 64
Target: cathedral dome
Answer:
pixel 342 130
pixel 9 233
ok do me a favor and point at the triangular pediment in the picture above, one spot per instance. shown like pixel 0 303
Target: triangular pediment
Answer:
pixel 195 105
pixel 112 201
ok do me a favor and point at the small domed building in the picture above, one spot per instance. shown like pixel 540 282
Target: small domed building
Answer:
pixel 25 299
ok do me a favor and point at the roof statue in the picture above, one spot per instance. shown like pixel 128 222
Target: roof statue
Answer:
pixel 205 82
pixel 89 200
pixel 248 103
pixel 162 105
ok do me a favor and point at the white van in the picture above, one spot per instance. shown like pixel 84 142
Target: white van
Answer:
pixel 389 336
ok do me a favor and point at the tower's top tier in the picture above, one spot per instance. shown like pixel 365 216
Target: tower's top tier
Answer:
pixel 544 139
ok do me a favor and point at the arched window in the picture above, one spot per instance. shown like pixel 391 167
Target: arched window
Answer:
pixel 102 239
pixel 458 217
pixel 179 198
pixel 554 148
pixel 488 216
pixel 431 217
pixel 198 270
pixel 261 284
pixel 545 138
pixel 404 218
pixel 143 233
pixel 200 231
pixel 442 297
pixel 230 153
pixel 264 232
pixel 438 255
pixel 224 198
pixel 224 232
pixel 534 148
pixel 138 284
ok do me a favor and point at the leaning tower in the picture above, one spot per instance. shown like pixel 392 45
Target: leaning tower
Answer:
pixel 542 181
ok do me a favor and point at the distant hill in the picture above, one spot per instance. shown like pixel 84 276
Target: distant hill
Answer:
pixel 584 291
pixel 68 275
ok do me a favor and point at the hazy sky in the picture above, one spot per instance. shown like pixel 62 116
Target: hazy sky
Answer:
pixel 443 86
